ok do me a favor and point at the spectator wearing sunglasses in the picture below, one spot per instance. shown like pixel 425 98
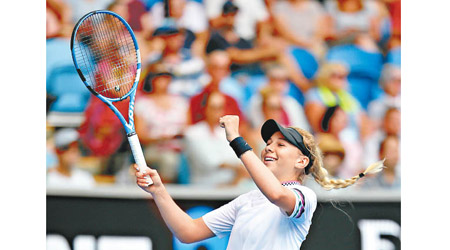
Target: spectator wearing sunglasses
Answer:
pixel 331 90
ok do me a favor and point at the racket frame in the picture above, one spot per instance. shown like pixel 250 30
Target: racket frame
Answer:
pixel 129 126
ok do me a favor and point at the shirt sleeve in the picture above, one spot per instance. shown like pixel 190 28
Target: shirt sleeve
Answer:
pixel 304 201
pixel 221 220
pixel 300 204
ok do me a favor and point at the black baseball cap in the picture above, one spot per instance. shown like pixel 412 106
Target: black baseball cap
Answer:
pixel 229 7
pixel 290 134
pixel 167 30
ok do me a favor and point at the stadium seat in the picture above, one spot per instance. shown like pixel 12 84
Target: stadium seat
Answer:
pixel 183 171
pixel 214 243
pixel 394 56
pixel 365 68
pixel 385 31
pixel 252 85
pixel 71 95
pixel 305 60
pixel 255 82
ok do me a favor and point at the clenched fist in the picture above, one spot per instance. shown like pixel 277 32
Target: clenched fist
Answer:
pixel 231 125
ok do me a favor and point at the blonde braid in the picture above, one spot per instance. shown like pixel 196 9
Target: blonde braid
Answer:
pixel 321 174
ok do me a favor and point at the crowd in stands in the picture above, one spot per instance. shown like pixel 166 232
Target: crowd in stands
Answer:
pixel 331 67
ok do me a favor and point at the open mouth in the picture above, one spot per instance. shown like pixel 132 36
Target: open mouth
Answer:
pixel 269 159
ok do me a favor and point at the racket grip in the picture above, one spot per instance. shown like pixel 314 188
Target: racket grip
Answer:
pixel 138 154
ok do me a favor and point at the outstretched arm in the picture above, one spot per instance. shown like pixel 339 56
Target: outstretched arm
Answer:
pixel 266 181
pixel 186 229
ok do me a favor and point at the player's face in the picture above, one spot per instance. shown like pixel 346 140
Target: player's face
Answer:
pixel 280 156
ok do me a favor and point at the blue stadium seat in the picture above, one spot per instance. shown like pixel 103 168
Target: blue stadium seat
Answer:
pixel 394 56
pixel 305 60
pixel 252 85
pixel 71 95
pixel 183 170
pixel 255 82
pixel 214 243
pixel 365 68
pixel 385 31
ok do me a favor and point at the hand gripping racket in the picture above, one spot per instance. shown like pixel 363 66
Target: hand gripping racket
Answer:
pixel 106 55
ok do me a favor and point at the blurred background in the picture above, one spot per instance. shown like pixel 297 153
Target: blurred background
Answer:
pixel 331 67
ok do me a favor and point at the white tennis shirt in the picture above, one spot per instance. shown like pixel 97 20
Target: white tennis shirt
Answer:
pixel 253 222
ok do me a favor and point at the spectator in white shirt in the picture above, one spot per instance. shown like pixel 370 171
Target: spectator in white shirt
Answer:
pixel 66 173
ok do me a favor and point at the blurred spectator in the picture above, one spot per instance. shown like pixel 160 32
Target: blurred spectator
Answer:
pixel 185 67
pixel 137 16
pixel 333 153
pixel 66 173
pixel 58 19
pixel 391 125
pixel 389 178
pixel 134 12
pixel 390 81
pixel 188 15
pixel 59 63
pixel 103 136
pixel 302 23
pixel 251 14
pixel 292 113
pixel 334 123
pixel 160 120
pixel 356 21
pixel 218 68
pixel 244 55
pixel 331 90
pixel 211 160
pixel 82 7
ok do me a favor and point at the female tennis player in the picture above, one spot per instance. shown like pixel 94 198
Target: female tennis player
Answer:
pixel 278 214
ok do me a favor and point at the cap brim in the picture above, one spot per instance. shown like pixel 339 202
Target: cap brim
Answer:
pixel 166 31
pixel 270 127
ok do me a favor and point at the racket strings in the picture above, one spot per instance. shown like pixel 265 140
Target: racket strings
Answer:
pixel 107 56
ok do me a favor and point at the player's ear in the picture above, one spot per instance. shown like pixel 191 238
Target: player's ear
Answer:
pixel 301 162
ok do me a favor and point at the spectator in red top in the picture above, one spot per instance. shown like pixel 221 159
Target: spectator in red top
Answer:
pixel 218 68
pixel 102 133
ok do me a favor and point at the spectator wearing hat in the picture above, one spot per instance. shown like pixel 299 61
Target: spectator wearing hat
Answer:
pixel 244 55
pixel 66 173
pixel 186 14
pixel 186 68
pixel 160 121
pixel 252 14
pixel 334 122
pixel 333 153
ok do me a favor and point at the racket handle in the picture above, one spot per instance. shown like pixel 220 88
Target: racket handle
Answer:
pixel 138 154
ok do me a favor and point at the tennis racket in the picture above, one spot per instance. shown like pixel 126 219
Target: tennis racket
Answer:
pixel 106 56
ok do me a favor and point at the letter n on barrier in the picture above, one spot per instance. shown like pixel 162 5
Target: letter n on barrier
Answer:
pixel 372 230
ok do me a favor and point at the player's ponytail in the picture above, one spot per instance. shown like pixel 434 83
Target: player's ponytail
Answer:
pixel 320 173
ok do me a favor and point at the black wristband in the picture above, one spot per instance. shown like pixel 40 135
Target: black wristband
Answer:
pixel 240 146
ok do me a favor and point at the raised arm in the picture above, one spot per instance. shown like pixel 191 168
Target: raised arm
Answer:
pixel 264 179
pixel 186 229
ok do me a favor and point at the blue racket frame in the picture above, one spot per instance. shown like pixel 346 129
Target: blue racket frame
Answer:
pixel 129 126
